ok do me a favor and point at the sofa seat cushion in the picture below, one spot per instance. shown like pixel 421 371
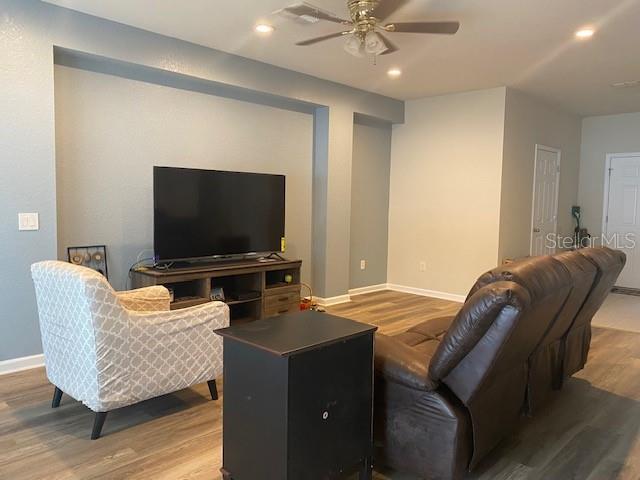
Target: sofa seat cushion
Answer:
pixel 425 337
pixel 412 339
pixel 428 332
pixel 400 363
pixel 427 348
pixel 434 328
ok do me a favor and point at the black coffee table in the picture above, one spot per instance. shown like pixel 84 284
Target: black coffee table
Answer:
pixel 297 398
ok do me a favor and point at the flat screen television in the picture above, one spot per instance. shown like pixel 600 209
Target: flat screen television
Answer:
pixel 208 213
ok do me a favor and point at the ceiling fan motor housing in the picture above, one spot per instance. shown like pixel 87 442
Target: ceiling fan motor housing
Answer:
pixel 361 12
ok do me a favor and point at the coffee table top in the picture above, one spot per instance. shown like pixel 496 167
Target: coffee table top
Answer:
pixel 294 333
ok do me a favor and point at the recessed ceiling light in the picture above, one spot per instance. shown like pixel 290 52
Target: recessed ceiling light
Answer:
pixel 394 72
pixel 264 28
pixel 585 33
pixel 627 84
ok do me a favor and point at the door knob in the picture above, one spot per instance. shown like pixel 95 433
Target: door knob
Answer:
pixel 536 230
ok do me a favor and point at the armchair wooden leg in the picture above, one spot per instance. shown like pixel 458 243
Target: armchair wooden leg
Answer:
pixel 213 389
pixel 57 396
pixel 98 422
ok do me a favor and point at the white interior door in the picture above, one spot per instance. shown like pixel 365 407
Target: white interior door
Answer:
pixel 622 214
pixel 546 182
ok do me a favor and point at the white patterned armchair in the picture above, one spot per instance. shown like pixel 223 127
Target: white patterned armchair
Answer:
pixel 111 349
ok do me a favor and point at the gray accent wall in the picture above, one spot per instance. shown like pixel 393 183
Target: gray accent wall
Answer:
pixel 111 131
pixel 370 202
pixel 29 33
pixel 27 170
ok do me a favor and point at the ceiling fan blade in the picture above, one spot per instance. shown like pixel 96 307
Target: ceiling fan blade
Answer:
pixel 311 41
pixel 387 7
pixel 306 10
pixel 448 28
pixel 389 44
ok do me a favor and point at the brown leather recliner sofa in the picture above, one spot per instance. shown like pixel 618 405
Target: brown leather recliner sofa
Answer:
pixel 449 389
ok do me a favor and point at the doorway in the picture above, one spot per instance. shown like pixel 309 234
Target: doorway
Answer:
pixel 621 220
pixel 546 184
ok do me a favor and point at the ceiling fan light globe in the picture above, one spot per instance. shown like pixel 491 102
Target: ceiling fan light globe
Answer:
pixel 373 44
pixel 264 28
pixel 354 47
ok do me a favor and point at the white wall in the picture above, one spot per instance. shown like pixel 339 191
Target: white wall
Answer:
pixel 111 131
pixel 446 167
pixel 529 122
pixel 602 135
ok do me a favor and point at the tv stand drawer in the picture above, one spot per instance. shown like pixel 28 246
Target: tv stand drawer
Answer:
pixel 281 309
pixel 281 290
pixel 284 298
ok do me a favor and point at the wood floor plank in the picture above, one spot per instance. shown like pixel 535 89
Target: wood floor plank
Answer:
pixel 589 431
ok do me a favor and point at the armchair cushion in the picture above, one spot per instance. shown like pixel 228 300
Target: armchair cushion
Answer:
pixel 148 299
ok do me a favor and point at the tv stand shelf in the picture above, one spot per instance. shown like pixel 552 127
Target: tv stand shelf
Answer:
pixel 253 289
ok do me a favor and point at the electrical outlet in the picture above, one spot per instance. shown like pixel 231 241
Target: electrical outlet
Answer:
pixel 422 266
pixel 363 264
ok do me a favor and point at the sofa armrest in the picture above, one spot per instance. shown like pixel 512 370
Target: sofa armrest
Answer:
pixel 397 362
pixel 148 299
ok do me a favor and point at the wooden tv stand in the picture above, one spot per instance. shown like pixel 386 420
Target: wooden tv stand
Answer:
pixel 253 289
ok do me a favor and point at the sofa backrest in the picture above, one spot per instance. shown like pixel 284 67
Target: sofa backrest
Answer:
pixel 583 277
pixel 546 362
pixel 609 264
pixel 483 358
pixel 485 322
pixel 534 274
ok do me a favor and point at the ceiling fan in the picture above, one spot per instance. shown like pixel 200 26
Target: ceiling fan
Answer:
pixel 366 25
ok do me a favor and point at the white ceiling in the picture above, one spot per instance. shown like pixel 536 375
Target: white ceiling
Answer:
pixel 526 44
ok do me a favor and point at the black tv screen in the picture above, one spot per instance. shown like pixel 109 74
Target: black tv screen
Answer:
pixel 206 213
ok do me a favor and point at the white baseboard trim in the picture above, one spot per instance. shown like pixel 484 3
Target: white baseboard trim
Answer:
pixel 427 293
pixel 328 302
pixel 19 364
pixel 369 289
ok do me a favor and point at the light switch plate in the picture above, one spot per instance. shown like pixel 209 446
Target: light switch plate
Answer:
pixel 28 222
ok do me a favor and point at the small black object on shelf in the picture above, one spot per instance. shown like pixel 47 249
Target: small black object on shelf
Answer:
pixel 246 295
